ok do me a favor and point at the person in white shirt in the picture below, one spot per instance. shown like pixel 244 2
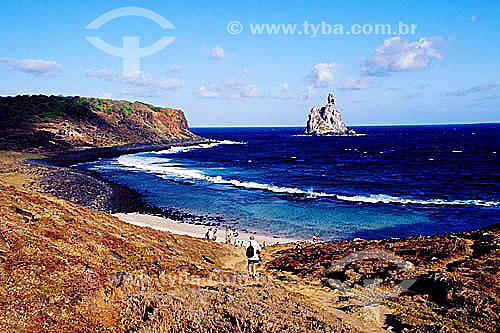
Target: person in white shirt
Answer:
pixel 252 252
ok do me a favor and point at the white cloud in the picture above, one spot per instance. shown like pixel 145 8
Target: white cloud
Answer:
pixel 324 74
pixel 250 90
pixel 140 92
pixel 217 53
pixel 398 55
pixel 206 92
pixel 149 85
pixel 309 92
pixel 175 69
pixel 168 83
pixel 232 89
pixel 154 83
pixel 355 83
pixel 37 67
pixel 284 92
pixel 104 74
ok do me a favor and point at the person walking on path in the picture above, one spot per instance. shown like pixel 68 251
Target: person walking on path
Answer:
pixel 229 232
pixel 208 234
pixel 252 252
pixel 234 237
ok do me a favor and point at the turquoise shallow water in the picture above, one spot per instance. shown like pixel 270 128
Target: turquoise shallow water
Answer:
pixel 393 181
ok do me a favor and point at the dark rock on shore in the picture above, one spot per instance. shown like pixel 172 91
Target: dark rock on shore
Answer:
pixel 89 189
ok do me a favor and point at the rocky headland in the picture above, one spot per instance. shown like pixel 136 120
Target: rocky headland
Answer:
pixel 52 124
pixel 326 120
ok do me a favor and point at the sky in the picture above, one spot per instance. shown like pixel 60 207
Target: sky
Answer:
pixel 446 71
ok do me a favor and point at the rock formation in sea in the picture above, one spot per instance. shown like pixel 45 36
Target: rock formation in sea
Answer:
pixel 326 120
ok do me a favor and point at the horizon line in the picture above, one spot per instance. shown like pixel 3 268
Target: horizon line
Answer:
pixel 356 125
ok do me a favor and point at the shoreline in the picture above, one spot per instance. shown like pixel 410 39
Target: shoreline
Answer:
pixel 92 190
pixel 75 156
pixel 121 199
pixel 196 230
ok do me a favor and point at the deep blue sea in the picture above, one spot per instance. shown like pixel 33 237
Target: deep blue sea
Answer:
pixel 392 181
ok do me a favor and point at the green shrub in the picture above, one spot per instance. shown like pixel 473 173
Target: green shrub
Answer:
pixel 123 112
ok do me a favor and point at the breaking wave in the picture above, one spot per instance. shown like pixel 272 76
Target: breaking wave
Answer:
pixel 166 169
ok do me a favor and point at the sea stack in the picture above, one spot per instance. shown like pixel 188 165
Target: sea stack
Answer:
pixel 326 120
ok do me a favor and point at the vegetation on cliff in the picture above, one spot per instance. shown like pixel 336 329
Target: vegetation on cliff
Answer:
pixel 55 123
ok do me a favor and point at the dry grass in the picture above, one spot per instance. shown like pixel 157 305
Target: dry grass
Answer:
pixel 66 268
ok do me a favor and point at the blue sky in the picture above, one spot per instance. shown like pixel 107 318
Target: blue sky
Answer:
pixel 447 72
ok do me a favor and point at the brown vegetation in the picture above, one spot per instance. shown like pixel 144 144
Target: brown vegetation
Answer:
pixel 54 123
pixel 66 268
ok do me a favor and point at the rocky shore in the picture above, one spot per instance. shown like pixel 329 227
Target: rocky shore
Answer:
pixel 90 189
pixel 437 283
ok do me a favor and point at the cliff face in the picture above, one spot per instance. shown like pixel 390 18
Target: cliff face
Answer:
pixel 326 120
pixel 51 123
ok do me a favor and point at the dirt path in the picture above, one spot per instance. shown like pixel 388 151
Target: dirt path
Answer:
pixel 236 262
pixel 365 319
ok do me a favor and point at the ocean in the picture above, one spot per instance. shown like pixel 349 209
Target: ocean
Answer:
pixel 391 181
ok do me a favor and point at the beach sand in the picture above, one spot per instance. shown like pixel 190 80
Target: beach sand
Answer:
pixel 198 231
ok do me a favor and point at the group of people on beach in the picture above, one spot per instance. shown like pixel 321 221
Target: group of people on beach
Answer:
pixel 253 248
pixel 232 237
pixel 211 234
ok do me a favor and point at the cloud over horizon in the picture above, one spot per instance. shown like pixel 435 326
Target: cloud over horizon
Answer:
pixel 231 89
pixel 36 67
pixel 148 85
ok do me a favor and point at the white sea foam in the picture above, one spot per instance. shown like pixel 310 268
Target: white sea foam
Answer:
pixel 164 168
pixel 211 144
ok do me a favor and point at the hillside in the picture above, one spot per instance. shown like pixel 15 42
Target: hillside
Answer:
pixel 67 268
pixel 53 123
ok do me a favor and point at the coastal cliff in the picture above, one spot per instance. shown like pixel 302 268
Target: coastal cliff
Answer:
pixel 55 123
pixel 327 120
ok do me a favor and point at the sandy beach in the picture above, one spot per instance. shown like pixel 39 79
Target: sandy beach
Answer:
pixel 198 231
